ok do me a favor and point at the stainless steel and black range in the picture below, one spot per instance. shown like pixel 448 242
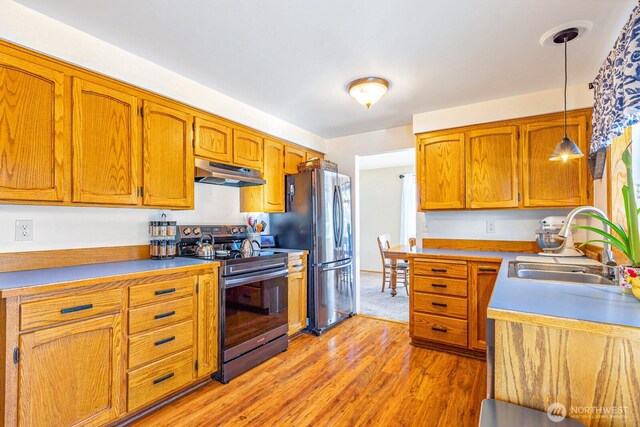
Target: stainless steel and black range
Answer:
pixel 253 295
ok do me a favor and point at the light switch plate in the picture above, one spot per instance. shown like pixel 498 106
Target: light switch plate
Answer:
pixel 24 230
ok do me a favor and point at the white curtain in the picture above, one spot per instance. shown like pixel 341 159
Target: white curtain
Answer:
pixel 408 208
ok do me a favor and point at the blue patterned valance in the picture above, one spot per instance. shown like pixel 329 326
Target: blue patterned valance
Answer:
pixel 617 88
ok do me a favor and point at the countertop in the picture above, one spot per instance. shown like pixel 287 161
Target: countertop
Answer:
pixel 590 303
pixel 13 282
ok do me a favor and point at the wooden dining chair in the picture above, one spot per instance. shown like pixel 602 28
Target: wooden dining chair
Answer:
pixel 412 242
pixel 402 267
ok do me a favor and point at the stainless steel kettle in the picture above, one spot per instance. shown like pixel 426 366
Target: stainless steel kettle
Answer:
pixel 205 249
pixel 247 247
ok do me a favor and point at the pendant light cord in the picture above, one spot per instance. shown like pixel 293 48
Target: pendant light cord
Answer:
pixel 565 86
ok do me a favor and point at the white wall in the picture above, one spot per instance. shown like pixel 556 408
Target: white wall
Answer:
pixel 380 200
pixel 529 104
pixel 61 227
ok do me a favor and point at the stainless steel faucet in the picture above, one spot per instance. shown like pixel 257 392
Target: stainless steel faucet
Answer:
pixel 565 231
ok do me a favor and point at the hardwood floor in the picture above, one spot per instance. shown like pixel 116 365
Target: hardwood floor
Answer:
pixel 364 372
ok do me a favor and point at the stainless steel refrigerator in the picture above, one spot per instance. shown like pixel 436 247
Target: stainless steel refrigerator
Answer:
pixel 318 218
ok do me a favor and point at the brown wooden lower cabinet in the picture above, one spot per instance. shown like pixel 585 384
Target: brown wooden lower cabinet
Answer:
pixel 297 301
pixel 448 303
pixel 79 361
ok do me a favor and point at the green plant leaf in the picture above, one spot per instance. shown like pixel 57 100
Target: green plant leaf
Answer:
pixel 618 229
pixel 610 237
pixel 632 219
pixel 604 241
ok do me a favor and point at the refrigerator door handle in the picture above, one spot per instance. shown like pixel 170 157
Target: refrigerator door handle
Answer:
pixel 341 208
pixel 336 207
pixel 337 267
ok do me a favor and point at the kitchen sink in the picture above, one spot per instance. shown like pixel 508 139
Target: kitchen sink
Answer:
pixel 558 273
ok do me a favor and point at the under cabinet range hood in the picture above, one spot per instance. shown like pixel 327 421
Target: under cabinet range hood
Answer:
pixel 231 176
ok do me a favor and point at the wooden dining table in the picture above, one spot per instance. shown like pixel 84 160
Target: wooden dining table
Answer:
pixel 395 254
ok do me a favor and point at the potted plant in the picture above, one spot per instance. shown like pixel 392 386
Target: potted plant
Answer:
pixel 627 241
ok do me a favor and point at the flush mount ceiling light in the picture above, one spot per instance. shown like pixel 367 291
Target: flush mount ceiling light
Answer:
pixel 566 149
pixel 368 90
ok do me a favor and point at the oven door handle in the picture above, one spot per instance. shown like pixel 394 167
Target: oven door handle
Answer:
pixel 252 278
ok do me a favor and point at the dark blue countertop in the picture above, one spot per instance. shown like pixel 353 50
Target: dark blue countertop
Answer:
pixel 51 276
pixel 591 303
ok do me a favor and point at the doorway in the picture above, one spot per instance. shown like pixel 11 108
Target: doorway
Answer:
pixel 387 207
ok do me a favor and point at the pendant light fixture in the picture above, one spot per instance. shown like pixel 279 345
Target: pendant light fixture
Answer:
pixel 368 90
pixel 566 149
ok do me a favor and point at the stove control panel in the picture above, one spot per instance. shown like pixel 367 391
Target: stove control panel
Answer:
pixel 217 231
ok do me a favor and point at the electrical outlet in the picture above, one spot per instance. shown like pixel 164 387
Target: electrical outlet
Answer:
pixel 426 227
pixel 491 226
pixel 24 230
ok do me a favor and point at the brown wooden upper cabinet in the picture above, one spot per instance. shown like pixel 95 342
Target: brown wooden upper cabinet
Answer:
pixel 546 183
pixel 167 156
pixel 441 171
pixel 492 167
pixel 31 135
pixel 213 140
pixel 503 165
pixel 270 196
pixel 247 149
pixel 293 156
pixel 106 148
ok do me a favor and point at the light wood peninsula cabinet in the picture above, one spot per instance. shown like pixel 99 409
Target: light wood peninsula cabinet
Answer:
pixel 101 350
pixel 503 165
pixel 32 135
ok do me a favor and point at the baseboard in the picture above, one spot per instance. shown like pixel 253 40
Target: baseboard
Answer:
pixel 370 271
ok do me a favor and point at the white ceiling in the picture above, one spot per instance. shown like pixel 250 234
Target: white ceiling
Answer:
pixel 293 58
pixel 388 160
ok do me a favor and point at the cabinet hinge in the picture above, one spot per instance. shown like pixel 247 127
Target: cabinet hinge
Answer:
pixel 141 111
pixel 140 191
pixel 16 355
pixel 518 134
pixel 196 365
pixel 197 288
pixel 519 197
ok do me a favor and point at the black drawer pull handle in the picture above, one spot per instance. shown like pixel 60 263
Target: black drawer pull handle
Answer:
pixel 165 291
pixel 296 266
pixel 438 304
pixel 489 270
pixel 438 329
pixel 439 270
pixel 438 285
pixel 164 341
pixel 167 314
pixel 74 309
pixel 164 378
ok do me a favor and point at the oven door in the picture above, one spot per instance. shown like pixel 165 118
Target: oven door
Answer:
pixel 255 310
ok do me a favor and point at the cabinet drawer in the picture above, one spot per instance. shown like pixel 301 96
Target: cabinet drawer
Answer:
pixel 440 269
pixel 160 378
pixel 441 286
pixel 161 291
pixel 440 328
pixel 158 343
pixel 156 315
pixel 57 310
pixel 439 304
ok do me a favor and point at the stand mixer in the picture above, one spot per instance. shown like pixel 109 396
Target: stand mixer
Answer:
pixel 546 237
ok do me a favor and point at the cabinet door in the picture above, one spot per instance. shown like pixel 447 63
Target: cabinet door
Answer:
pixel 492 168
pixel 105 145
pixel 207 324
pixel 441 172
pixel 72 374
pixel 482 279
pixel 296 320
pixel 213 141
pixel 293 156
pixel 247 149
pixel 274 175
pixel 553 183
pixel 168 157
pixel 31 131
